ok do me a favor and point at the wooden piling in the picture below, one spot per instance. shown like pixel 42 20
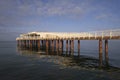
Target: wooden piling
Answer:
pixel 78 47
pixel 66 45
pixel 60 44
pixel 25 43
pixel 52 44
pixel 70 46
pixel 42 42
pixel 18 43
pixel 46 43
pixel 31 45
pixel 56 45
pixel 100 52
pixel 106 51
pixel 38 44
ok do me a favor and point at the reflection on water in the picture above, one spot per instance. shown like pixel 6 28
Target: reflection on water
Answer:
pixel 65 59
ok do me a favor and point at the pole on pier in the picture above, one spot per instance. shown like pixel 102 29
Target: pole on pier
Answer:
pixel 100 52
pixel 106 51
pixel 78 47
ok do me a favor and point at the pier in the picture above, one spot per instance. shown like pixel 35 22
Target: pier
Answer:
pixel 55 40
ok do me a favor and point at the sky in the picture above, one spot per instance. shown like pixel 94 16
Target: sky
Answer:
pixel 22 16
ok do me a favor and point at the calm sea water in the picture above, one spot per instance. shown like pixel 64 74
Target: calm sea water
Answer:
pixel 23 64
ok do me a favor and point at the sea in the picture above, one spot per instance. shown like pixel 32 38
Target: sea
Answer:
pixel 19 63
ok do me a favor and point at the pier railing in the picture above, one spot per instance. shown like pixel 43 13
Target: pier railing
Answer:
pixel 111 34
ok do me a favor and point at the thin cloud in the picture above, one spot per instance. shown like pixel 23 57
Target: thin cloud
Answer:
pixel 102 16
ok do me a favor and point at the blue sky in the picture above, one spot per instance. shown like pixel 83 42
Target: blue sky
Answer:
pixel 22 16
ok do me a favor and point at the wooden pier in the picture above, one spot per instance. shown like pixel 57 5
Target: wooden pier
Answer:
pixel 55 40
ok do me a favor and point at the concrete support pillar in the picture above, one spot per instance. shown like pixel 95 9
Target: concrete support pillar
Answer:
pixel 25 43
pixel 21 43
pixel 31 43
pixel 100 52
pixel 28 43
pixel 18 44
pixel 78 47
pixel 38 44
pixel 70 46
pixel 35 41
pixel 47 44
pixel 66 45
pixel 56 45
pixel 42 42
pixel 60 44
pixel 106 51
pixel 52 44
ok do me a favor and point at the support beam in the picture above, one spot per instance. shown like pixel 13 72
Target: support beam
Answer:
pixel 25 43
pixel 106 51
pixel 78 47
pixel 31 45
pixel 60 46
pixel 38 44
pixel 46 43
pixel 21 43
pixel 18 44
pixel 100 52
pixel 60 43
pixel 52 44
pixel 28 43
pixel 56 45
pixel 42 42
pixel 66 45
pixel 70 46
